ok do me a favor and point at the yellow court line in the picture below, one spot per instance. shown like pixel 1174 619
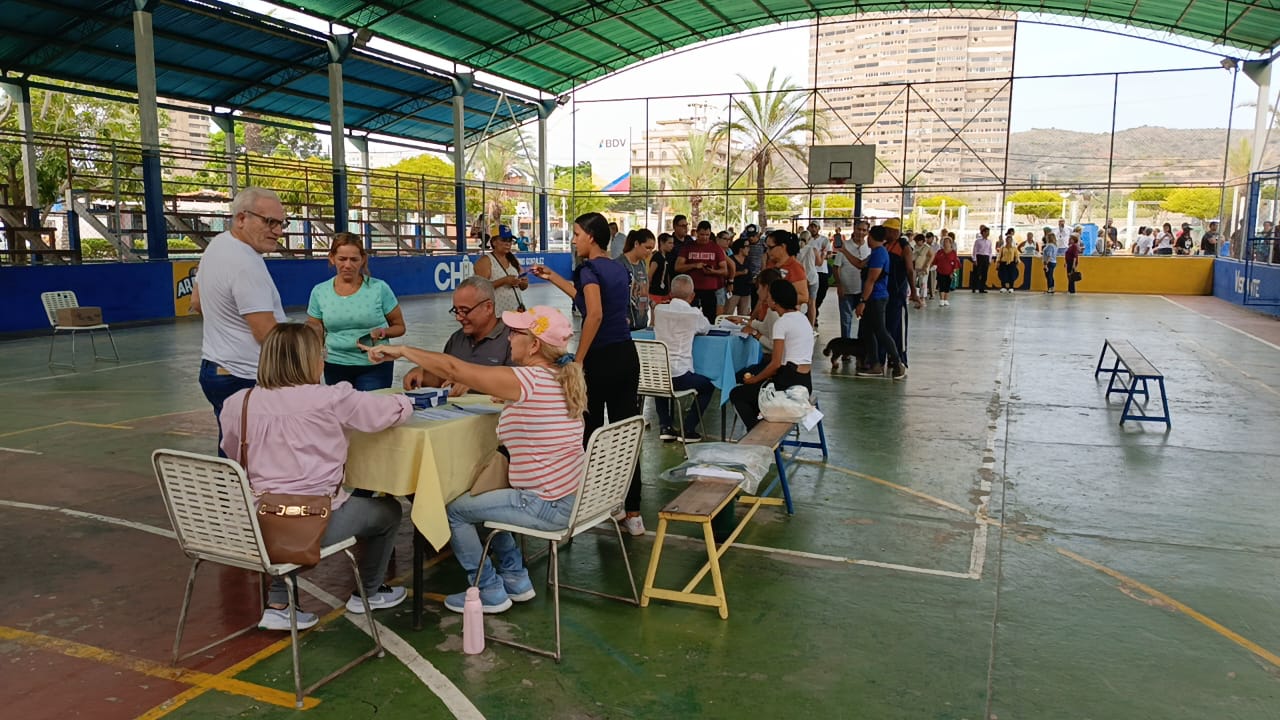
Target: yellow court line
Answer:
pixel 190 694
pixel 176 412
pixel 1199 617
pixel 153 669
pixel 27 430
pixel 892 485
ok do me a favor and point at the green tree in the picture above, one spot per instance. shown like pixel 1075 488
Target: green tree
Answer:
pixel 694 172
pixel 1036 204
pixel 770 123
pixel 640 189
pixel 585 195
pixel 422 178
pixel 1200 203
pixel 90 125
pixel 935 202
pixel 269 140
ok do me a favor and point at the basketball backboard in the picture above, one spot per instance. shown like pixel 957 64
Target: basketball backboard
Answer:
pixel 842 164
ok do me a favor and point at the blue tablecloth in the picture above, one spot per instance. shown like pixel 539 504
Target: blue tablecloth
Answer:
pixel 719 357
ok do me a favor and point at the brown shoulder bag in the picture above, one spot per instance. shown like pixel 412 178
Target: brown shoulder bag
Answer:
pixel 292 525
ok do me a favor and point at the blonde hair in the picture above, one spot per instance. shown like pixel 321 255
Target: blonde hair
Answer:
pixel 570 377
pixel 292 354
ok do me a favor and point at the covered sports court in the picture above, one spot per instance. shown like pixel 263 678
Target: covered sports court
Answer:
pixel 985 540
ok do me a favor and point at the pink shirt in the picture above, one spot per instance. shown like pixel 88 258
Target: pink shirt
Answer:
pixel 297 439
pixel 544 442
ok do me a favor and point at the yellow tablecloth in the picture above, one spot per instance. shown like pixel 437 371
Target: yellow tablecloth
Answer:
pixel 430 459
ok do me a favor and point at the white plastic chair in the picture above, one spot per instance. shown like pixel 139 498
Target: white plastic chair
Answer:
pixel 655 381
pixel 612 453
pixel 64 299
pixel 213 513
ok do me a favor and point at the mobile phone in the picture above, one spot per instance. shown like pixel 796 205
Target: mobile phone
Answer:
pixel 368 340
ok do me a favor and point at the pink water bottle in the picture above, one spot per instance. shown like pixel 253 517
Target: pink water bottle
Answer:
pixel 473 623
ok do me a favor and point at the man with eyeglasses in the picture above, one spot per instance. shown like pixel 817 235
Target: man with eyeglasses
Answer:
pixel 483 338
pixel 237 297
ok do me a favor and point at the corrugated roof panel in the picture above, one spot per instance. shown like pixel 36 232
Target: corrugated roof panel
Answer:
pixel 556 53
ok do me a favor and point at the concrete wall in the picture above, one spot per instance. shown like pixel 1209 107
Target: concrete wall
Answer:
pixel 135 292
pixel 1116 274
pixel 1255 287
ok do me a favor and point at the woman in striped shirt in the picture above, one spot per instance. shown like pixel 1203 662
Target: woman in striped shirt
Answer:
pixel 541 428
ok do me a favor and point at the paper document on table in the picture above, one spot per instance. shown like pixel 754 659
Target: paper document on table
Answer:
pixel 711 471
pixel 443 412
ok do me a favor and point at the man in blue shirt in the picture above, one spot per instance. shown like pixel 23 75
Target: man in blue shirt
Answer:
pixel 875 296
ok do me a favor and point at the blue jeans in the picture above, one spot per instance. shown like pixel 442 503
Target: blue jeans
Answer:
pixel 361 377
pixel 848 303
pixel 688 381
pixel 217 388
pixel 517 507
pixel 375 522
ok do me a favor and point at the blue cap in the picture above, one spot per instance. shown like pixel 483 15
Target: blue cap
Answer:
pixel 505 232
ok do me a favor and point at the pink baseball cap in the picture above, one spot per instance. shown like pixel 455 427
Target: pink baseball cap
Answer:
pixel 546 323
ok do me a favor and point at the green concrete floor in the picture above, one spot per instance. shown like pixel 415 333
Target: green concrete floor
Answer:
pixel 984 542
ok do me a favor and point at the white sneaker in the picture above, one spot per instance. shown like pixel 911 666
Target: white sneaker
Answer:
pixel 276 619
pixel 386 597
pixel 633 525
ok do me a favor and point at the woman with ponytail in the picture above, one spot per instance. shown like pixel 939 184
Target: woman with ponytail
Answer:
pixel 541 431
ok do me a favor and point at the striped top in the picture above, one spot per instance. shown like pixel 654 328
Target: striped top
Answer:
pixel 544 442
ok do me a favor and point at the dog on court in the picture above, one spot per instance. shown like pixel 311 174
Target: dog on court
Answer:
pixel 846 349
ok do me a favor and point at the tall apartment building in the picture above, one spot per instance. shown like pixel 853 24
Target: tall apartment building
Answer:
pixel 186 132
pixel 660 147
pixel 957 69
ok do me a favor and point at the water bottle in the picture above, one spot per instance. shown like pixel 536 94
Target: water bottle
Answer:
pixel 473 623
pixel 467 268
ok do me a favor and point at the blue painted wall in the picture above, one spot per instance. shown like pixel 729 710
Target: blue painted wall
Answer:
pixel 1260 285
pixel 133 292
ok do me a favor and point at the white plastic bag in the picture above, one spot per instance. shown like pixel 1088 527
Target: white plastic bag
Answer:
pixel 790 405
pixel 752 462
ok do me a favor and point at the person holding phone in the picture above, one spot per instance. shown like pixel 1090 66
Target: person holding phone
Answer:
pixel 349 307
pixel 503 270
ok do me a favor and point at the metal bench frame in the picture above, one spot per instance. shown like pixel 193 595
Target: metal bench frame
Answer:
pixel 1134 382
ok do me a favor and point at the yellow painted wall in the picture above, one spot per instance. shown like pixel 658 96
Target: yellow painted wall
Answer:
pixel 1126 274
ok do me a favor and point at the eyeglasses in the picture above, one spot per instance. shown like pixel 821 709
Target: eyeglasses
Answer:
pixel 465 311
pixel 272 223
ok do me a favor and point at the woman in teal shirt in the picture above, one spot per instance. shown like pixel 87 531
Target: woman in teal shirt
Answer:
pixel 349 307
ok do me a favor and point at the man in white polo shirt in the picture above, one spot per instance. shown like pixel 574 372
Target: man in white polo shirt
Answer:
pixel 238 299
pixel 676 324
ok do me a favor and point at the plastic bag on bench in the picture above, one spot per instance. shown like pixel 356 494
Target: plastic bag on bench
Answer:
pixel 751 462
pixel 790 405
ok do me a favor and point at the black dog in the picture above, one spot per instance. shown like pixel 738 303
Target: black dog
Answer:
pixel 843 348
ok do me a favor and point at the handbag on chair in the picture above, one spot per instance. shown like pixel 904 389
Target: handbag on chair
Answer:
pixel 292 525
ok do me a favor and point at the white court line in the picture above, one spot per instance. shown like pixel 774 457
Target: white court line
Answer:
pixel 76 373
pixel 449 694
pixel 162 532
pixel 1247 334
pixel 436 682
pixel 19 450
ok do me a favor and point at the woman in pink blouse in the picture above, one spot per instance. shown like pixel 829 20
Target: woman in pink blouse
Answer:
pixel 541 430
pixel 297 444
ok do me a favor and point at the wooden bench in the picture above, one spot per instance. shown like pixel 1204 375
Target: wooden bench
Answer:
pixel 1137 371
pixel 704 498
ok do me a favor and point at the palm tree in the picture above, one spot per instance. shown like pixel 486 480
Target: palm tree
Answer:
pixel 695 171
pixel 770 123
pixel 497 159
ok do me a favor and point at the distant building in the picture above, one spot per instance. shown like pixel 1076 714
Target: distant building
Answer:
pixel 655 155
pixel 187 132
pixel 863 62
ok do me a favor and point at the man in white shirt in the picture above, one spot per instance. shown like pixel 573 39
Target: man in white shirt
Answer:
pixel 821 253
pixel 238 299
pixel 676 324
pixel 851 257
pixel 617 241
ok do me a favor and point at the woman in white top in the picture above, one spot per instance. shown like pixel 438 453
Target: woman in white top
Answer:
pixel 790 362
pixel 502 268
pixel 1164 243
pixel 759 324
